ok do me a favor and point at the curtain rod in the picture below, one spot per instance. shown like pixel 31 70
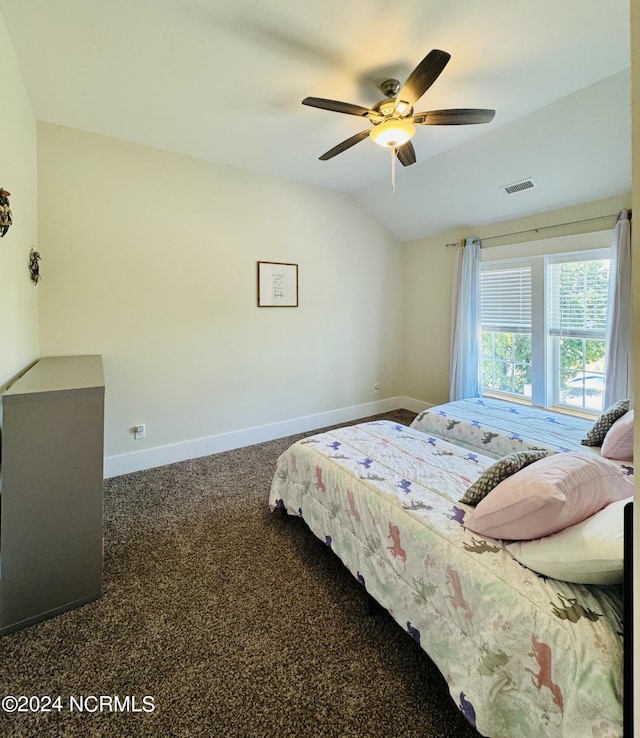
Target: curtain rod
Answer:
pixel 541 228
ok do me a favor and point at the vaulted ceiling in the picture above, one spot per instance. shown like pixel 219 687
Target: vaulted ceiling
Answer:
pixel 223 81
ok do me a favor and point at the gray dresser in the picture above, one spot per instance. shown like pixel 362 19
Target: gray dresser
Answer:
pixel 51 499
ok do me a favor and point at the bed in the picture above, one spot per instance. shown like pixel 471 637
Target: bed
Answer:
pixel 524 656
pixel 497 427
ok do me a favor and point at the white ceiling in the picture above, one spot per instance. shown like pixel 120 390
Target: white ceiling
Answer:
pixel 222 80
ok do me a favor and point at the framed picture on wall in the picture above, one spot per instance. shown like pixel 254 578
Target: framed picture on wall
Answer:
pixel 277 284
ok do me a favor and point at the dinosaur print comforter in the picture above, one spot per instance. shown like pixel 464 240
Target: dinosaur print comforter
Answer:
pixel 496 427
pixel 524 657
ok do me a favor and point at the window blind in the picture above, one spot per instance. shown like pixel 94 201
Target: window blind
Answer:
pixel 506 299
pixel 577 298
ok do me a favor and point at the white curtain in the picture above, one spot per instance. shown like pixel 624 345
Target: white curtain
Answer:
pixel 618 342
pixel 465 323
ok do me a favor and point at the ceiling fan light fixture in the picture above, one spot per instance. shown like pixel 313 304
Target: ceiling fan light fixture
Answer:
pixel 392 133
pixel 392 119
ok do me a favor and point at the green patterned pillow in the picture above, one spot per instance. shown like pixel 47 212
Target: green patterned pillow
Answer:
pixel 496 473
pixel 605 420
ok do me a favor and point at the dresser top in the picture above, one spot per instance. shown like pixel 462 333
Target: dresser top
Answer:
pixel 58 374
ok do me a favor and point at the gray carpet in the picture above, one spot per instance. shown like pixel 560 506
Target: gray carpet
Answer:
pixel 238 623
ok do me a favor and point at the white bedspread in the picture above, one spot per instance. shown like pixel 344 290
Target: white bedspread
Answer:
pixel 524 657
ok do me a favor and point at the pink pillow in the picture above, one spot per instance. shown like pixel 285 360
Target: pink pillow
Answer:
pixel 548 496
pixel 618 443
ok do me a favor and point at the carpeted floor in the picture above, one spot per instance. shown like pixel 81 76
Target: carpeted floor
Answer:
pixel 231 621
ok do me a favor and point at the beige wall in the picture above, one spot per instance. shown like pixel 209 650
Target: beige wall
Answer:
pixel 18 296
pixel 427 282
pixel 149 259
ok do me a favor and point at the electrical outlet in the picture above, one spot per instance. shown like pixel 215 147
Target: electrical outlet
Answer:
pixel 139 431
pixel 376 388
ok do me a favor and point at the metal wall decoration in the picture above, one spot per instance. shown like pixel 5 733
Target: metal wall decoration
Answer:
pixel 5 212
pixel 34 266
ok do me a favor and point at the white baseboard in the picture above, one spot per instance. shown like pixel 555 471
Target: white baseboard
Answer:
pixel 416 406
pixel 169 454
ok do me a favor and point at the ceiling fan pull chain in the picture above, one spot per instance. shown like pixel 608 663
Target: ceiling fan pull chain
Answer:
pixel 393 170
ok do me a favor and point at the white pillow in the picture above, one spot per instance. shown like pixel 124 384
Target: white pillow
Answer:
pixel 591 552
pixel 618 443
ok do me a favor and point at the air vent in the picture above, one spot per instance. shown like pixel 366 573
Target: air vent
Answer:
pixel 525 184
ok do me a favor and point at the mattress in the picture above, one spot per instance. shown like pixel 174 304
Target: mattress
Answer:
pixel 523 656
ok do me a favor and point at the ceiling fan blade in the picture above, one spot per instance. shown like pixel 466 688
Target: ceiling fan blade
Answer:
pixel 453 117
pixel 422 77
pixel 338 107
pixel 345 145
pixel 406 154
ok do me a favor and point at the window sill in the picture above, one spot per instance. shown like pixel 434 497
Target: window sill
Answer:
pixel 589 415
pixel 563 410
pixel 507 397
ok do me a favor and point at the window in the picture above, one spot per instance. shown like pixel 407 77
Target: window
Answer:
pixel 543 328
pixel 577 314
pixel 506 328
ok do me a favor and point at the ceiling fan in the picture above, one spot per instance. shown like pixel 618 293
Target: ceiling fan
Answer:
pixel 393 120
